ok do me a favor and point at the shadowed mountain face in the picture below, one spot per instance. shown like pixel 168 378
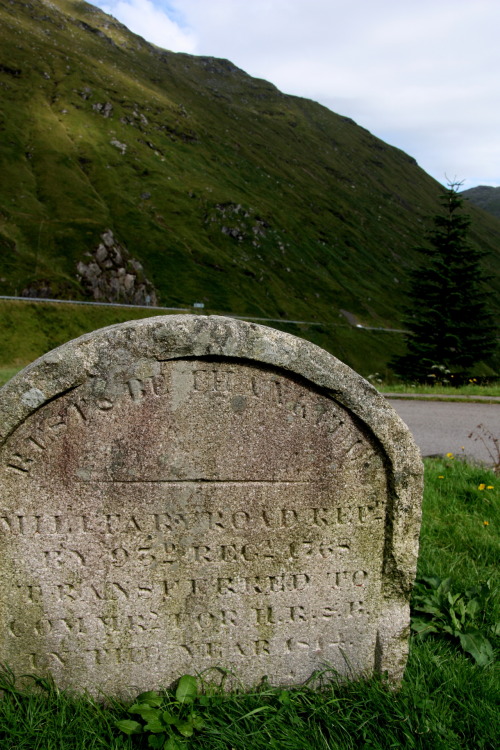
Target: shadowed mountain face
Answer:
pixel 485 197
pixel 130 172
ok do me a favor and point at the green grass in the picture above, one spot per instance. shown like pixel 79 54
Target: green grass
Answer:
pixel 30 329
pixel 461 528
pixel 471 389
pixel 6 373
pixel 446 702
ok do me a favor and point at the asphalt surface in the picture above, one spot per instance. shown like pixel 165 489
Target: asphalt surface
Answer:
pixel 440 427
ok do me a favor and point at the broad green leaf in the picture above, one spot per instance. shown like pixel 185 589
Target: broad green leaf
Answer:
pixel 452 598
pixel 185 728
pixel 473 608
pixel 156 740
pixel 129 726
pixel 168 718
pixel 149 714
pixel 460 609
pixel 444 586
pixel 433 583
pixel 172 744
pixel 455 622
pixel 477 646
pixel 151 698
pixel 141 708
pixel 429 608
pixel 186 689
pixel 450 630
pixel 197 721
pixel 155 726
pixel 423 627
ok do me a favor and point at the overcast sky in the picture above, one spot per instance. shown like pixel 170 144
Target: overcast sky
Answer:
pixel 423 75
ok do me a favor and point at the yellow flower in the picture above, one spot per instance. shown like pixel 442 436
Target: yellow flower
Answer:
pixel 441 477
pixel 481 486
pixel 486 523
pixel 490 487
pixel 450 455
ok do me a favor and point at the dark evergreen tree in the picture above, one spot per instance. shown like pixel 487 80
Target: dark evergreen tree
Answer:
pixel 450 328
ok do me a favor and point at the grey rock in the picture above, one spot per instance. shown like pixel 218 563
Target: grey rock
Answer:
pixel 187 492
pixel 119 145
pixel 101 254
pixel 128 282
pixel 106 109
pixel 108 238
pixel 107 274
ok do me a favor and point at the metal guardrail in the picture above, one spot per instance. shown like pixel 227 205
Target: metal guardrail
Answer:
pixel 96 304
pixel 153 308
pixel 191 310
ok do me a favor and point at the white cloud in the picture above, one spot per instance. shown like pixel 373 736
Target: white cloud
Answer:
pixel 147 19
pixel 422 76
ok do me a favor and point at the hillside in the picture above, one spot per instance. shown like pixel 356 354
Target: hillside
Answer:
pixel 485 197
pixel 135 174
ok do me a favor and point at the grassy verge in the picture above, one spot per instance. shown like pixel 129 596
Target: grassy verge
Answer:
pixel 6 373
pixel 30 329
pixel 446 702
pixel 492 389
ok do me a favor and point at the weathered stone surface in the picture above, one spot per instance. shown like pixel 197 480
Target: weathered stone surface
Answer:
pixel 185 492
pixel 112 275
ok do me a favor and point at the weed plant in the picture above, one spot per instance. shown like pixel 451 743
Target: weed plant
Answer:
pixel 446 702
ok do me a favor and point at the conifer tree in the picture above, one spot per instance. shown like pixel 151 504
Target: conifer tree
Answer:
pixel 447 318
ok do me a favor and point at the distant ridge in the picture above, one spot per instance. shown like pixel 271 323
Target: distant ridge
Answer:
pixel 485 197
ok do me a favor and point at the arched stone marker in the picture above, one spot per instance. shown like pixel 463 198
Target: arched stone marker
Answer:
pixel 186 492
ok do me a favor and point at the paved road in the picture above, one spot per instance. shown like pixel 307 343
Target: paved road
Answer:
pixel 440 427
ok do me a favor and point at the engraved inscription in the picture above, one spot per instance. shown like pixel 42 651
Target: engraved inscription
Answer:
pixel 189 514
pixel 233 392
pixel 25 524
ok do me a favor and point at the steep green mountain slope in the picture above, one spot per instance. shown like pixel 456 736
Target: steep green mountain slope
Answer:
pixel 486 197
pixel 209 185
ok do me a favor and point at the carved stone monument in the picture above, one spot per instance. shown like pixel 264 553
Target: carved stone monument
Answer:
pixel 186 492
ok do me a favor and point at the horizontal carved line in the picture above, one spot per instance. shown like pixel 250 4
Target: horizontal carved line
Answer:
pixel 197 481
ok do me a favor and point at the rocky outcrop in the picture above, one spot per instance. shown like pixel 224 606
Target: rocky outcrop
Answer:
pixel 239 223
pixel 112 275
pixel 106 109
